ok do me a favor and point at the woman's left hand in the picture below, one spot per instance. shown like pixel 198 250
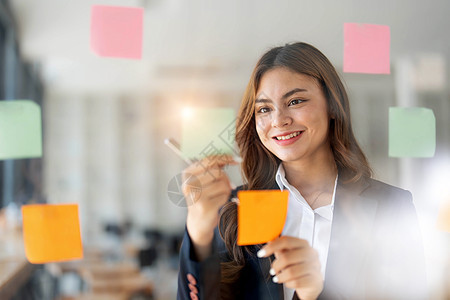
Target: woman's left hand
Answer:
pixel 296 265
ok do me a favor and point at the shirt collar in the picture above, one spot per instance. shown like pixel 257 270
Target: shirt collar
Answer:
pixel 324 211
pixel 280 177
pixel 327 211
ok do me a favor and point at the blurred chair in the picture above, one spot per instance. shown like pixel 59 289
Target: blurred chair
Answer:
pixel 147 257
pixel 153 236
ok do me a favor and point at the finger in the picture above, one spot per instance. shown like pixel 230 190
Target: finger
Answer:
pixel 193 296
pixel 219 189
pixel 306 255
pixel 211 198
pixel 203 170
pixel 194 187
pixel 288 258
pixel 209 162
pixel 280 244
pixel 209 176
pixel 293 272
pixel 215 202
pixel 193 288
pixel 191 279
pixel 203 178
pixel 308 282
pixel 222 160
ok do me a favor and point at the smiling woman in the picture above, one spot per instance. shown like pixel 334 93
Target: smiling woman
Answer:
pixel 294 114
pixel 345 236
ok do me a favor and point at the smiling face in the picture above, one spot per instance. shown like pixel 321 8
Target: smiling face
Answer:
pixel 291 115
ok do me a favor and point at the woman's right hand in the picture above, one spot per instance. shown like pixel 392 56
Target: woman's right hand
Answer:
pixel 207 188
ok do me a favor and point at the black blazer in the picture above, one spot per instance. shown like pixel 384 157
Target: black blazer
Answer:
pixel 375 252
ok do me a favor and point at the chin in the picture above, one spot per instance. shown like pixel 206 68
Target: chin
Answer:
pixel 288 157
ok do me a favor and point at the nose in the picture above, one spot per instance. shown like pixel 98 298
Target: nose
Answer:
pixel 281 119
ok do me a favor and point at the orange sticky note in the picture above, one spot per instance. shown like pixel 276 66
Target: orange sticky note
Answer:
pixel 261 215
pixel 366 48
pixel 51 232
pixel 117 31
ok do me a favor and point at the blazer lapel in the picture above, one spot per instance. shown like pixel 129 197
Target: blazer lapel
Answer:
pixel 269 289
pixel 350 234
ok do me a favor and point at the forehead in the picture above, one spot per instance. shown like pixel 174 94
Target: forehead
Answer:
pixel 281 78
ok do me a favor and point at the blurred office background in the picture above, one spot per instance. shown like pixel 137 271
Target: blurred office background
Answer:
pixel 105 119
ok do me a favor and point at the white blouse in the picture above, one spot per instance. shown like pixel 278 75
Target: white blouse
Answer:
pixel 305 223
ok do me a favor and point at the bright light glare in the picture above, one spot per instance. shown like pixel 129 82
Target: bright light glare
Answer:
pixel 187 112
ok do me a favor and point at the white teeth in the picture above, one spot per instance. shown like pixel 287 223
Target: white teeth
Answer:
pixel 289 136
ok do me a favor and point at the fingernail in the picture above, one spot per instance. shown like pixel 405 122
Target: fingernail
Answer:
pixel 261 253
pixel 237 159
pixel 275 279
pixel 272 271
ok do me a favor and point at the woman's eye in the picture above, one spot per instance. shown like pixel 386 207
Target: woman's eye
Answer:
pixel 295 101
pixel 263 110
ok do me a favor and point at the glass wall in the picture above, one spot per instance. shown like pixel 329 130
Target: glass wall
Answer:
pixel 18 80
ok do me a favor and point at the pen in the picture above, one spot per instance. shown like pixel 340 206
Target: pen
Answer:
pixel 172 144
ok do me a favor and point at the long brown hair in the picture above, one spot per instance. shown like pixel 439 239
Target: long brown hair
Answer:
pixel 259 165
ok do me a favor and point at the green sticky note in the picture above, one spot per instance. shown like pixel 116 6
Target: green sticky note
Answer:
pixel 208 131
pixel 412 132
pixel 20 129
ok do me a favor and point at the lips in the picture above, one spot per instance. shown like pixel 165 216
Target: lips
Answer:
pixel 287 136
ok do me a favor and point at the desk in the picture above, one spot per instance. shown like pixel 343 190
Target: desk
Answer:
pixel 107 271
pixel 14 267
pixel 116 279
pixel 13 274
pixel 107 280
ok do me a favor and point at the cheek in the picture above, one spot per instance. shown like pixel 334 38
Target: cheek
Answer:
pixel 316 118
pixel 261 127
pixel 322 126
pixel 324 120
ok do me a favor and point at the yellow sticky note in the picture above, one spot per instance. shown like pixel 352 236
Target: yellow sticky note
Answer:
pixel 261 215
pixel 51 232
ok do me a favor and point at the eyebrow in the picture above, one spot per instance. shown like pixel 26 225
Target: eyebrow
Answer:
pixel 288 94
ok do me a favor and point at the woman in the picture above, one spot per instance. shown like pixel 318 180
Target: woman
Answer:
pixel 346 235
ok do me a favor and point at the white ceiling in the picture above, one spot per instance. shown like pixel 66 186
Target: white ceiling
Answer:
pixel 212 44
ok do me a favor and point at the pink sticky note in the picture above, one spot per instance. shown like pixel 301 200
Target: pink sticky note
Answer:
pixel 117 31
pixel 366 48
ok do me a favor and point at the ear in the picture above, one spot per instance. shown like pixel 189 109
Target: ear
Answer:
pixel 332 113
pixel 331 110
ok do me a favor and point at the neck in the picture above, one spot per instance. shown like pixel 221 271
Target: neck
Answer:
pixel 312 175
